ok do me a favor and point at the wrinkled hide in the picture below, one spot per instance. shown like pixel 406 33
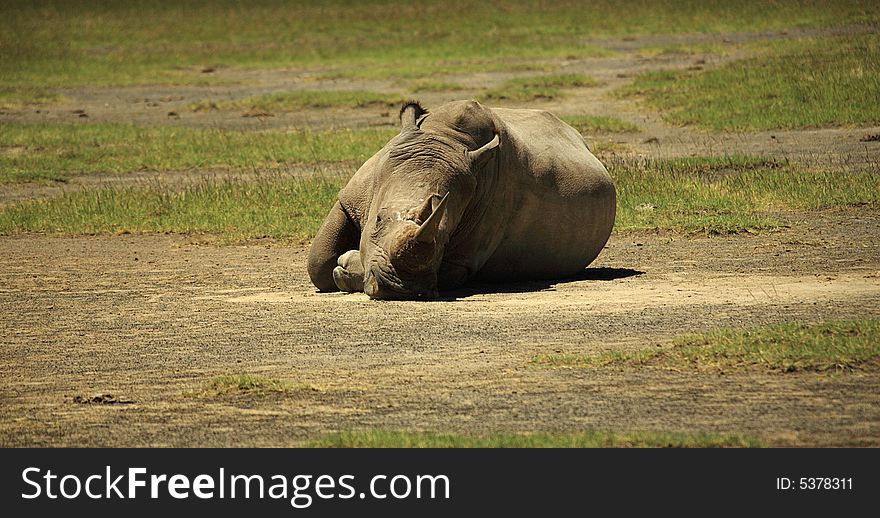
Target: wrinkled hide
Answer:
pixel 466 192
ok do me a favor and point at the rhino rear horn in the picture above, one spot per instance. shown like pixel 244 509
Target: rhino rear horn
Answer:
pixel 482 155
pixel 410 113
pixel 428 229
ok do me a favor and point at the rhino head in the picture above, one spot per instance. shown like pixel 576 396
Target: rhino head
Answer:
pixel 422 188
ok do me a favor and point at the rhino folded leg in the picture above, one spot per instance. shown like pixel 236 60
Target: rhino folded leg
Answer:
pixel 349 275
pixel 452 276
pixel 337 235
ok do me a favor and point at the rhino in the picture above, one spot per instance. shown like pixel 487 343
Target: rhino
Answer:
pixel 466 193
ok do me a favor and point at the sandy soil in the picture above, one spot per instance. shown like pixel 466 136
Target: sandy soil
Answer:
pixel 151 319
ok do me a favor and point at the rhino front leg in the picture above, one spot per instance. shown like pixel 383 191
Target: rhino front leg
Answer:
pixel 452 276
pixel 349 275
pixel 338 235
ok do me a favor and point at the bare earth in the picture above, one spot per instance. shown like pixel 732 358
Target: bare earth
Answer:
pixel 151 319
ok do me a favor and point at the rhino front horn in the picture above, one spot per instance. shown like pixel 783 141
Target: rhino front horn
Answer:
pixel 428 229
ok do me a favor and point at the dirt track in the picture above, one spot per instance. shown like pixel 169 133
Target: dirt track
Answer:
pixel 150 318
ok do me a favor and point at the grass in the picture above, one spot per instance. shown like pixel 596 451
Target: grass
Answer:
pixel 728 194
pixel 247 384
pixel 588 439
pixel 536 87
pixel 834 345
pixel 794 84
pixel 417 70
pixel 693 195
pixel 271 207
pixel 295 100
pixel 429 85
pixel 62 43
pixel 18 98
pixel 599 123
pixel 683 49
pixel 55 151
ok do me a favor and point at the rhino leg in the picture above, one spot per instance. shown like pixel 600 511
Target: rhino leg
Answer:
pixel 349 275
pixel 452 276
pixel 337 236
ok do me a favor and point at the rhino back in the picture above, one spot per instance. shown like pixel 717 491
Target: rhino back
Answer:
pixel 557 200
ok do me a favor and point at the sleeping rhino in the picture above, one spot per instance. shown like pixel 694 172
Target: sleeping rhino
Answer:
pixel 465 193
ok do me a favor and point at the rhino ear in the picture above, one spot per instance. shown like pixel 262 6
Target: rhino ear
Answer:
pixel 427 231
pixel 410 112
pixel 479 157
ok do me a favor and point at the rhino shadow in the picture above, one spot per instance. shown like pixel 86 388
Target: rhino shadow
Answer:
pixel 587 274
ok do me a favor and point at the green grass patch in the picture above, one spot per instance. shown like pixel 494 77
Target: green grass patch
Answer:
pixel 794 84
pixel 606 149
pixel 296 100
pixel 56 151
pixel 729 194
pixel 834 345
pixel 428 85
pixel 234 210
pixel 18 98
pixel 536 87
pixel 598 123
pixel 693 195
pixel 588 439
pixel 247 385
pixel 60 43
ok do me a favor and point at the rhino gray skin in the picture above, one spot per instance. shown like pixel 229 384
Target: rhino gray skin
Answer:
pixel 466 193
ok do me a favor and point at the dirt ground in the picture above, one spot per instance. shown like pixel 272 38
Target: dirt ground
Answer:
pixel 152 318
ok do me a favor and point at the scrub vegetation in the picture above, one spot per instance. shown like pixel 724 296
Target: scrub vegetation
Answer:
pixel 714 195
pixel 63 43
pixel 59 151
pixel 792 84
pixel 524 89
pixel 830 346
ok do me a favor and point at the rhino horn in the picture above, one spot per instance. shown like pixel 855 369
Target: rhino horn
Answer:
pixel 426 208
pixel 480 156
pixel 428 229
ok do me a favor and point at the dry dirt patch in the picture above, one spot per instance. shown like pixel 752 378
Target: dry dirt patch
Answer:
pixel 149 318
